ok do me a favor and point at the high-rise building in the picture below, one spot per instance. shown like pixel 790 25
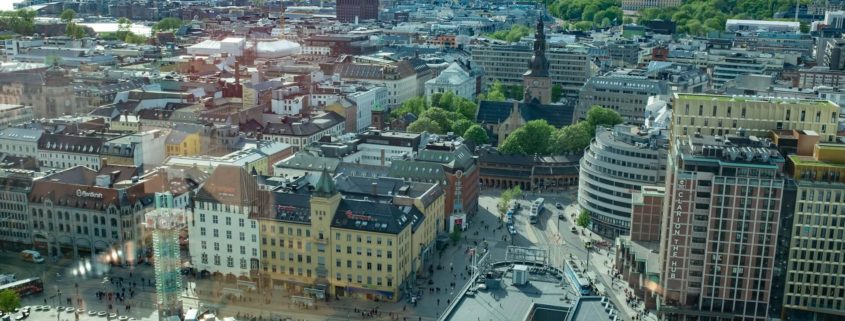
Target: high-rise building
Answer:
pixel 356 10
pixel 721 115
pixel 619 161
pixel 719 229
pixel 814 286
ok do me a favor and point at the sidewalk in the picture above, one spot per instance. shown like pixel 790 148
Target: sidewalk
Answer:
pixel 601 260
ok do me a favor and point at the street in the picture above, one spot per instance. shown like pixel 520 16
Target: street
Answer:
pixel 549 233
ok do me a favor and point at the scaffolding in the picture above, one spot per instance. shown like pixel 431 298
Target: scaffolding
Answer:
pixel 165 223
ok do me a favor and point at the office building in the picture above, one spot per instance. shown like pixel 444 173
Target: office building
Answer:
pixel 720 228
pixel 756 116
pixel 16 225
pixel 736 25
pixel 569 66
pixel 619 161
pixel 627 95
pixel 356 10
pixel 357 237
pixel 637 5
pixel 814 285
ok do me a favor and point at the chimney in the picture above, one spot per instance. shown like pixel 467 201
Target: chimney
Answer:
pixel 375 189
pixel 103 162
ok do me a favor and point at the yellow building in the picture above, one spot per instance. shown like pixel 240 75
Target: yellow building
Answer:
pixel 319 243
pixel 722 115
pixel 183 143
pixel 816 235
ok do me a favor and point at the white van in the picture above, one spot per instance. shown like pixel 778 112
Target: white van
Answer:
pixel 32 256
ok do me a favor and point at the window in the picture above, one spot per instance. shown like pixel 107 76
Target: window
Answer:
pixel 202 231
pixel 203 245
pixel 214 219
pixel 228 235
pixel 241 222
pixel 216 233
pixel 229 248
pixel 241 236
pixel 202 218
pixel 230 262
pixel 204 258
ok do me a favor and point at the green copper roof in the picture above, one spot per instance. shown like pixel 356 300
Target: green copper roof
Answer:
pixel 325 185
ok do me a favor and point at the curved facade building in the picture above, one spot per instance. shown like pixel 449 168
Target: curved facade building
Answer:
pixel 619 161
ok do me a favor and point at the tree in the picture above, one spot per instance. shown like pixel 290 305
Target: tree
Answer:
pixel 515 33
pixel 67 15
pixel 124 24
pixel 600 116
pixel 9 300
pixel 476 135
pixel 135 39
pixel 461 125
pixel 444 119
pixel 571 139
pixel 416 106
pixel 583 25
pixel 505 199
pixel 494 93
pixel 583 219
pixel 167 24
pixel 455 236
pixel 466 108
pixel 532 138
pixel 423 124
pixel 557 92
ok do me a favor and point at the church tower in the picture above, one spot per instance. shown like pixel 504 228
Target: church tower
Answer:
pixel 536 80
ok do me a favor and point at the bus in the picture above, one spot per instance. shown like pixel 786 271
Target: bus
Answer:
pixel 536 210
pixel 24 287
pixel 539 202
pixel 575 279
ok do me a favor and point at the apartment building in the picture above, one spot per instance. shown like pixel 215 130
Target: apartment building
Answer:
pixel 21 142
pixel 719 229
pixel 814 286
pixel 619 161
pixel 224 237
pixel 569 66
pixel 756 116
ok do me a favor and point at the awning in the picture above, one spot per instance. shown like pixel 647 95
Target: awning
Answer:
pixel 387 294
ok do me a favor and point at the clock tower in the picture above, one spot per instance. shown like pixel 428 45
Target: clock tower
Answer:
pixel 536 81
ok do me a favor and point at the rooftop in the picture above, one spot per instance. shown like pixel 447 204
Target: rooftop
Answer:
pixel 741 98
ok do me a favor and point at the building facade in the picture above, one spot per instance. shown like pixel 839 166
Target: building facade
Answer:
pixel 719 229
pixel 814 288
pixel 357 10
pixel 618 162
pixel 627 95
pixel 16 225
pixel 224 239
pixel 569 66
pixel 453 79
pixel 721 115
pixel 15 114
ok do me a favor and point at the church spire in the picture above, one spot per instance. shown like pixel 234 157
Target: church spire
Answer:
pixel 538 66
pixel 325 185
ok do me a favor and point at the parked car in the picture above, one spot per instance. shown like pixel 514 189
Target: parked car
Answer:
pixel 561 217
pixel 512 230
pixel 559 206
pixel 574 230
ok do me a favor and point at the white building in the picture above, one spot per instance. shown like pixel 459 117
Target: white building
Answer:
pixel 145 149
pixel 735 25
pixel 232 46
pixel 316 50
pixel 20 142
pixel 57 151
pixel 455 79
pixel 15 114
pixel 301 132
pixel 366 99
pixel 276 49
pixel 224 239
pixel 288 101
